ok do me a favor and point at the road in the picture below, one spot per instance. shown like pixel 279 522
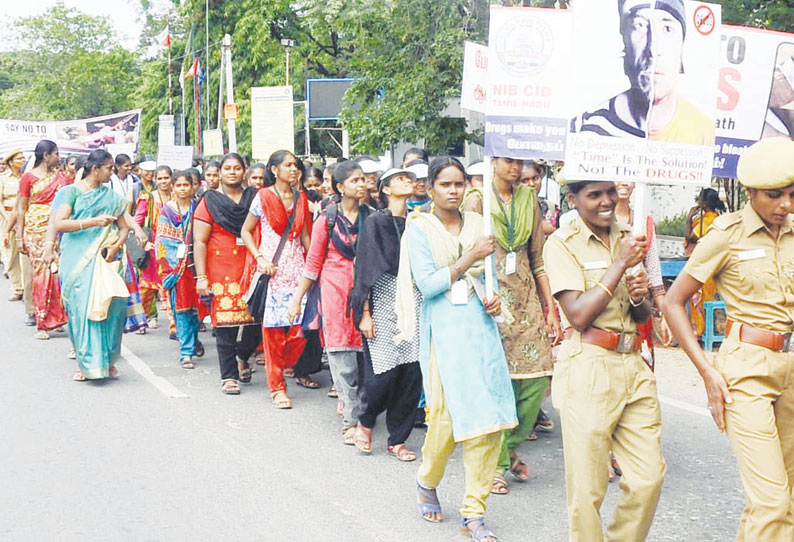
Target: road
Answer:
pixel 161 454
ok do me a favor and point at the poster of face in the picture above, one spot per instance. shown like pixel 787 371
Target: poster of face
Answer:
pixel 528 93
pixel 645 98
pixel 72 136
pixel 755 94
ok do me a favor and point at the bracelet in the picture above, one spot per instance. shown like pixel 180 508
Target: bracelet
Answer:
pixel 258 256
pixel 201 277
pixel 49 243
pixel 637 304
pixel 605 288
pixel 80 223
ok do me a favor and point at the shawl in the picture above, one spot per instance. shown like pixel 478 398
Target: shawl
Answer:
pixel 512 226
pixel 172 232
pixel 344 235
pixel 228 214
pixel 277 215
pixel 445 252
pixel 378 252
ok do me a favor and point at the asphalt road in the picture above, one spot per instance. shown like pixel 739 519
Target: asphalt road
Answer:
pixel 161 454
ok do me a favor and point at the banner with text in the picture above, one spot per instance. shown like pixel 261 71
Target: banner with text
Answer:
pixel 644 99
pixel 72 136
pixel 755 94
pixel 272 121
pixel 528 94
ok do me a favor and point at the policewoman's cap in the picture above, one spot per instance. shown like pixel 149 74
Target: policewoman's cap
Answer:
pixel 767 164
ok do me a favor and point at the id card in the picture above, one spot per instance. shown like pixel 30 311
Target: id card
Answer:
pixel 510 263
pixel 240 242
pixel 181 251
pixel 459 293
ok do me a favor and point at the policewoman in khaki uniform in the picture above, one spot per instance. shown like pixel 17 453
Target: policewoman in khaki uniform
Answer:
pixel 750 385
pixel 604 391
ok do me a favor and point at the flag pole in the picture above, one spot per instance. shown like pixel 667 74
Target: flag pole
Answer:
pixel 170 93
pixel 207 59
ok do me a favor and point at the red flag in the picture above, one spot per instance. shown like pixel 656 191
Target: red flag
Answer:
pixel 193 69
pixel 164 37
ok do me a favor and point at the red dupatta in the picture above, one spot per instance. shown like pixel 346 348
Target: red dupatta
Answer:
pixel 276 214
pixel 28 187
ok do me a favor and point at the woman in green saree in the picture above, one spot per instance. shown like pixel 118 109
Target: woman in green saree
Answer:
pixel 91 218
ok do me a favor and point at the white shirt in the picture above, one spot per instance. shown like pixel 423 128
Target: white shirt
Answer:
pixel 122 187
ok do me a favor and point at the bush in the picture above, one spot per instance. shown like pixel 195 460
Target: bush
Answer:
pixel 673 225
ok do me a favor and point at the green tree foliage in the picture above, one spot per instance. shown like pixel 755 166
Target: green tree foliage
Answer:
pixel 68 65
pixel 774 15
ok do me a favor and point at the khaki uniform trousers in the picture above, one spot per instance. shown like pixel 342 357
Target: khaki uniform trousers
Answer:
pixel 760 426
pixel 11 260
pixel 607 401
pixel 480 454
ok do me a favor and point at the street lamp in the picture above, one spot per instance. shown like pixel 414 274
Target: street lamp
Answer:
pixel 288 44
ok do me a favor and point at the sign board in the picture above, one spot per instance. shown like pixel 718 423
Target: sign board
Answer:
pixel 213 142
pixel 272 121
pixel 475 77
pixel 166 131
pixel 324 97
pixel 121 148
pixel 230 112
pixel 177 157
pixel 72 136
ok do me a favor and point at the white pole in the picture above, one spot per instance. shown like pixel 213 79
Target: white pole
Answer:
pixel 207 58
pixel 487 190
pixel 287 83
pixel 220 91
pixel 232 125
pixel 182 122
pixel 308 133
pixel 345 143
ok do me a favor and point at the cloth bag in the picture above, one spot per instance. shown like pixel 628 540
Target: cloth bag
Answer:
pixel 106 284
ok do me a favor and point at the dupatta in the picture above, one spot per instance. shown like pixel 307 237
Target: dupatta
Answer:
pixel 173 233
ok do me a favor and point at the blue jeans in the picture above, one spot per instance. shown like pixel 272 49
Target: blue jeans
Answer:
pixel 187 326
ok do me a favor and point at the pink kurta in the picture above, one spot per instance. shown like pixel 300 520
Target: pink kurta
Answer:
pixel 335 274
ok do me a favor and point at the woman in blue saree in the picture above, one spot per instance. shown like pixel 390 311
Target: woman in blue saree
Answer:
pixel 91 218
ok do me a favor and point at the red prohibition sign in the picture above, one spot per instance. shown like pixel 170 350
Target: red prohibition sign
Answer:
pixel 704 20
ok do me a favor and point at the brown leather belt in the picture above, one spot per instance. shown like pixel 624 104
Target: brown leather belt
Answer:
pixel 622 343
pixel 773 340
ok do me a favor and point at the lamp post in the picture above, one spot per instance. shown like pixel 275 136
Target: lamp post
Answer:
pixel 288 44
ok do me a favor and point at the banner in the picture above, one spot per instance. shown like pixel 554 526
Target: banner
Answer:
pixel 72 136
pixel 272 121
pixel 475 77
pixel 528 97
pixel 644 97
pixel 755 95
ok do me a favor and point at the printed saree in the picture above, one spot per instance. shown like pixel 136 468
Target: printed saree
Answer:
pixel 97 344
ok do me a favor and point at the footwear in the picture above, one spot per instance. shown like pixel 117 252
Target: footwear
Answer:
pixel 202 327
pixel 152 323
pixel 475 529
pixel 41 335
pixel 15 297
pixel 173 337
pixel 532 436
pixel 349 435
pixel 401 452
pixel 289 372
pixel 30 320
pixel 245 371
pixel 230 387
pixel 340 408
pixel 79 376
pixel 307 382
pixel 427 501
pixel 518 468
pixel 543 423
pixel 281 400
pixel 363 439
pixel 72 354
pixel 332 393
pixel 187 363
pixel 200 349
pixel 499 485
pixel 113 372
pixel 141 331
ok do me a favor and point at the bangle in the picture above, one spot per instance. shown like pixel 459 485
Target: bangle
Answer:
pixel 49 243
pixel 641 301
pixel 80 223
pixel 201 277
pixel 258 256
pixel 605 288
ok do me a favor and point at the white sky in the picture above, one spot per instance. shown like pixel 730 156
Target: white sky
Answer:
pixel 123 14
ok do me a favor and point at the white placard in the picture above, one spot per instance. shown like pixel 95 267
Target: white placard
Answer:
pixel 177 157
pixel 272 121
pixel 475 77
pixel 213 142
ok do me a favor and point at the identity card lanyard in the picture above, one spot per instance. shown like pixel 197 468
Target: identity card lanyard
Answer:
pixel 510 259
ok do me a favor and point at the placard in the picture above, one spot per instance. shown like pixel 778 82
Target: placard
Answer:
pixel 213 142
pixel 272 121
pixel 177 157
pixel 475 77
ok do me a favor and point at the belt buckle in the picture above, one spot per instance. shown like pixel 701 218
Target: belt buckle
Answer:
pixel 788 343
pixel 626 343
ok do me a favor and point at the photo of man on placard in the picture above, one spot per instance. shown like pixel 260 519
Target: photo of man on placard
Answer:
pixel 653 38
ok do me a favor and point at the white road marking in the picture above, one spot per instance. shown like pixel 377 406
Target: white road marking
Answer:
pixel 683 405
pixel 140 366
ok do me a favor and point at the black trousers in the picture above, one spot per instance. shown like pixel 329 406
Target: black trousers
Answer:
pixel 311 360
pixel 397 392
pixel 234 343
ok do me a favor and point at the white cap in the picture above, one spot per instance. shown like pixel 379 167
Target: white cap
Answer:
pixel 419 170
pixel 395 171
pixel 148 165
pixel 369 166
pixel 477 168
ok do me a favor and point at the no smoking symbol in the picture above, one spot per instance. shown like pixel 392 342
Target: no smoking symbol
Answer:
pixel 704 20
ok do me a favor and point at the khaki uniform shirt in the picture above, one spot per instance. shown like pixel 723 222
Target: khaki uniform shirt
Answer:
pixel 754 272
pixel 9 189
pixel 576 259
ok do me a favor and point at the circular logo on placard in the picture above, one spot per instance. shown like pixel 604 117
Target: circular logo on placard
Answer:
pixel 524 45
pixel 704 20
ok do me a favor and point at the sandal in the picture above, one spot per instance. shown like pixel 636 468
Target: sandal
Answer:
pixel 363 439
pixel 543 423
pixel 200 349
pixel 187 363
pixel 340 408
pixel 518 468
pixel 230 387
pixel 79 376
pixel 281 400
pixel 332 393
pixel 245 372
pixel 475 529
pixel 113 372
pixel 401 452
pixel 307 382
pixel 532 436
pixel 72 354
pixel 427 501
pixel 349 435
pixel 41 335
pixel 499 485
pixel 289 372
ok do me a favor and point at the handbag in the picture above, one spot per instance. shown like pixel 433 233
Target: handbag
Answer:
pixel 139 257
pixel 106 285
pixel 256 296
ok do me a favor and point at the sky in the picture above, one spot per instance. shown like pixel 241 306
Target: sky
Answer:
pixel 123 14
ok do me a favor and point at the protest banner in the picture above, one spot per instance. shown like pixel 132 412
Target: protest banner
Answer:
pixel 72 136
pixel 213 142
pixel 475 77
pixel 528 96
pixel 645 97
pixel 755 93
pixel 272 122
pixel 177 157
